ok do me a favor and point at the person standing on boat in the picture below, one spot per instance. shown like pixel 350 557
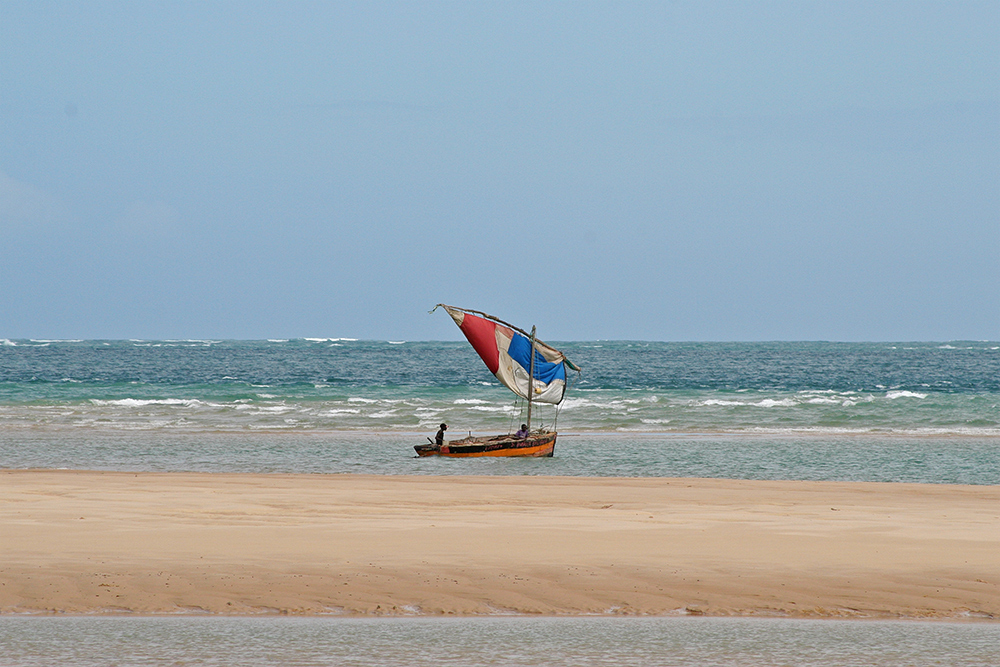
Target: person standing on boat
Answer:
pixel 523 433
pixel 439 438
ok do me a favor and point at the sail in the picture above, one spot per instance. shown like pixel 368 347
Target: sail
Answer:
pixel 506 351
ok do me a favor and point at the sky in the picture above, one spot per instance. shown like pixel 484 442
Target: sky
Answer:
pixel 674 171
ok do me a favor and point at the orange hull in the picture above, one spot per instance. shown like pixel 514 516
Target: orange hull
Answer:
pixel 540 444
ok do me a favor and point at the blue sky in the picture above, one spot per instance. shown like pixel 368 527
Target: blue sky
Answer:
pixel 656 171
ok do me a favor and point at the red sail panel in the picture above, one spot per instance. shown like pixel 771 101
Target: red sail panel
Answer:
pixel 482 334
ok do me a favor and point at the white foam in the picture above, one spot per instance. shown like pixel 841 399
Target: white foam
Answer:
pixel 276 409
pixel 395 342
pixel 138 403
pixel 655 421
pixel 358 399
pixel 771 403
pixel 469 401
pixel 277 340
pixel 573 403
pixel 331 340
pixel 7 343
pixel 717 401
pixel 765 403
pixel 893 395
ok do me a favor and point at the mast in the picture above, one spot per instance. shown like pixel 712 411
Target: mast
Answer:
pixel 531 376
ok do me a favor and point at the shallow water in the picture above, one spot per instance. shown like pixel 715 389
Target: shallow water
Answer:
pixel 579 642
pixel 868 458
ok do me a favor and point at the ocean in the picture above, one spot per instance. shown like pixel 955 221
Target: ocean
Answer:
pixel 908 412
pixel 890 412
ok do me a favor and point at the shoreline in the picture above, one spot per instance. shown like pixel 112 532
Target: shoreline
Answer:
pixel 343 545
pixel 344 616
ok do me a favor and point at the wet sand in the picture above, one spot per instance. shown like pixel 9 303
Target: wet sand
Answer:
pixel 149 543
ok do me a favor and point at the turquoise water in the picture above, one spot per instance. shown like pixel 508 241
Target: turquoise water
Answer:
pixel 501 642
pixel 920 412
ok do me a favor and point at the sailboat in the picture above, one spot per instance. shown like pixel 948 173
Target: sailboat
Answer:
pixel 525 365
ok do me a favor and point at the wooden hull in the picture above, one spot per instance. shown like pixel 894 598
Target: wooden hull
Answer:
pixel 537 444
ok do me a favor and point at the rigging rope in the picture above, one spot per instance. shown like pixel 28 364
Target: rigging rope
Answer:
pixel 517 411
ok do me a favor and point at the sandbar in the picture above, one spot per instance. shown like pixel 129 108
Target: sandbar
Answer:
pixel 82 542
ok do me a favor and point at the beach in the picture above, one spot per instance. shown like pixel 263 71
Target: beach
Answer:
pixel 81 542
